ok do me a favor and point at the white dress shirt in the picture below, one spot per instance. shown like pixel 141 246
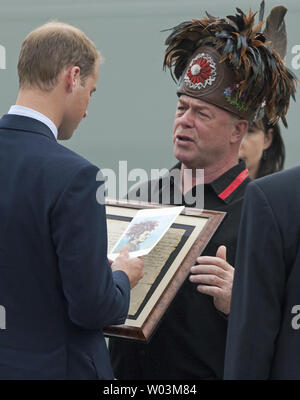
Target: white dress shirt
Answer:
pixel 29 112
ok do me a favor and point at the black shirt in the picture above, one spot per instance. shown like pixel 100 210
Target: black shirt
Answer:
pixel 189 342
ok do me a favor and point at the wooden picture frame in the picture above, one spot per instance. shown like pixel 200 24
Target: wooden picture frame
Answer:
pixel 166 267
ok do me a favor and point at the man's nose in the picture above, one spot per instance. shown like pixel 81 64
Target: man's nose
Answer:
pixel 85 114
pixel 187 119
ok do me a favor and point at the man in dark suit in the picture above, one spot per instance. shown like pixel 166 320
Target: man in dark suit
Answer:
pixel 263 336
pixel 56 284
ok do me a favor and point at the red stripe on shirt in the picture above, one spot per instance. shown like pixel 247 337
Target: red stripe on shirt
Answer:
pixel 234 184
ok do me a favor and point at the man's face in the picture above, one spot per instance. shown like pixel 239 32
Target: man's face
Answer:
pixel 77 105
pixel 202 133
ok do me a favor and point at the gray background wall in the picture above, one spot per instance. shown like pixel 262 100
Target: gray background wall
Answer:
pixel 130 117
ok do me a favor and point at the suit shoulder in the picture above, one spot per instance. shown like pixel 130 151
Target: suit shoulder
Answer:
pixel 60 166
pixel 70 156
pixel 280 191
pixel 280 182
pixel 66 161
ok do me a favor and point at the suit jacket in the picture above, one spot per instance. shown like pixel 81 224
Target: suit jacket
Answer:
pixel 263 335
pixel 56 284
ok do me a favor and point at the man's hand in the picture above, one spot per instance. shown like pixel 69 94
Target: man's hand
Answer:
pixel 133 267
pixel 215 278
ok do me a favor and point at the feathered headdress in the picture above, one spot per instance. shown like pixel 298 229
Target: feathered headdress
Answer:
pixel 231 63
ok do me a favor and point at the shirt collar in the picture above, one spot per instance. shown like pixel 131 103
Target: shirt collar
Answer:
pixel 226 185
pixel 29 112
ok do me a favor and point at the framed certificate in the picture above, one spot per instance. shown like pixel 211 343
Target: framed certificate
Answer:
pixel 166 266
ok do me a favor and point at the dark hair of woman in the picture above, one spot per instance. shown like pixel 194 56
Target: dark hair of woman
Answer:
pixel 274 156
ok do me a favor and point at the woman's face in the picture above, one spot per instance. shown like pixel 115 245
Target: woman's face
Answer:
pixel 252 146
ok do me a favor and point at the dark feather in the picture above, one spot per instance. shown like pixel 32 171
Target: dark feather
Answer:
pixel 275 30
pixel 259 69
pixel 228 46
pixel 261 11
pixel 209 15
pixel 223 34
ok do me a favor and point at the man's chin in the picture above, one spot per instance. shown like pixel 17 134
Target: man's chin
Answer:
pixel 189 163
pixel 182 157
pixel 64 135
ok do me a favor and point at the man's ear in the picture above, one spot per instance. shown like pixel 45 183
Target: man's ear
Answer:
pixel 240 128
pixel 72 78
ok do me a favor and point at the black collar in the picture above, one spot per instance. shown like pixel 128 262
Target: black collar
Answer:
pixel 226 185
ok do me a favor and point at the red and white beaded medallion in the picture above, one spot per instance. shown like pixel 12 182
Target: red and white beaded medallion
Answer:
pixel 201 72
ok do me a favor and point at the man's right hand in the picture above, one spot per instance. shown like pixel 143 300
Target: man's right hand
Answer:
pixel 133 267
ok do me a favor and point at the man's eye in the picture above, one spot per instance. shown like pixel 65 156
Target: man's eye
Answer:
pixel 202 114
